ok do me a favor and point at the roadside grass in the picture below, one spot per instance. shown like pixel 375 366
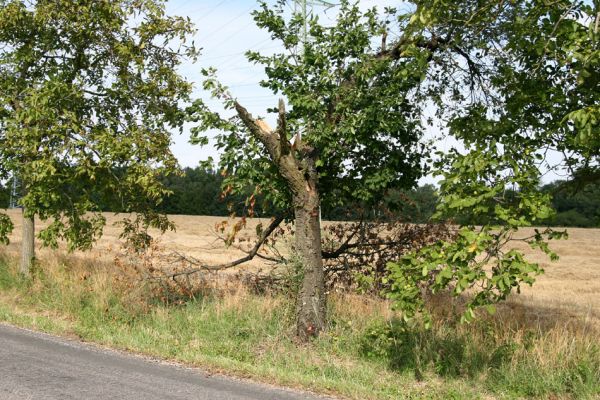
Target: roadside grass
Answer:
pixel 367 352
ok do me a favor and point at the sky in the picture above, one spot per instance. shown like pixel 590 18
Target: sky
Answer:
pixel 226 31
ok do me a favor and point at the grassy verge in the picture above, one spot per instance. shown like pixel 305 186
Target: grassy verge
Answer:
pixel 366 353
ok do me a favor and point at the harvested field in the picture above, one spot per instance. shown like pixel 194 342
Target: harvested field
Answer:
pixel 194 236
pixel 570 288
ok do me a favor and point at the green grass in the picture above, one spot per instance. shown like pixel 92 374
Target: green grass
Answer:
pixel 365 354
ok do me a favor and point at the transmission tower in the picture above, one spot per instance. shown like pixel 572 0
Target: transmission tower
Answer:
pixel 305 9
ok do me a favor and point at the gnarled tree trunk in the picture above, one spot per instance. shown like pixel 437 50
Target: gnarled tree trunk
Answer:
pixel 311 300
pixel 27 244
pixel 297 165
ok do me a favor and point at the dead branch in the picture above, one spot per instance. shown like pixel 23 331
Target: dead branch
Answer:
pixel 202 267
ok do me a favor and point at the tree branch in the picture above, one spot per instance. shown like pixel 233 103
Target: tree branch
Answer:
pixel 344 249
pixel 204 267
pixel 284 144
pixel 289 167
pixel 93 93
pixel 261 131
pixel 434 43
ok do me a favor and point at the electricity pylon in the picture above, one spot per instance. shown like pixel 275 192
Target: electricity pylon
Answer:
pixel 304 8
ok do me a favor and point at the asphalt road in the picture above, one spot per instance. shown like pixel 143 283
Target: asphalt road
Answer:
pixel 38 366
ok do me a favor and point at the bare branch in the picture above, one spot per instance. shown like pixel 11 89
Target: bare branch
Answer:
pixel 260 130
pixel 200 267
pixel 282 129
pixel 340 250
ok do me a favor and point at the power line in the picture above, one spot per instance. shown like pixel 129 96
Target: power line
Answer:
pixel 183 6
pixel 236 55
pixel 227 24
pixel 209 12
pixel 241 52
pixel 302 7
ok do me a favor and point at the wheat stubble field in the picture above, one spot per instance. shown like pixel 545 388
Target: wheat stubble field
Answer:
pixel 570 285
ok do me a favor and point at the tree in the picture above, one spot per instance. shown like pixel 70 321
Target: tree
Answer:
pixel 574 206
pixel 416 205
pixel 511 81
pixel 198 192
pixel 4 196
pixel 523 79
pixel 88 88
pixel 350 129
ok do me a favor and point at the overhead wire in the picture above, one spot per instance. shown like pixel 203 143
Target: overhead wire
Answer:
pixel 226 59
pixel 214 32
pixel 183 6
pixel 196 21
pixel 230 59
pixel 240 52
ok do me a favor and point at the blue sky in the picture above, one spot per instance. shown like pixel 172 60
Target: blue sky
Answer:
pixel 226 31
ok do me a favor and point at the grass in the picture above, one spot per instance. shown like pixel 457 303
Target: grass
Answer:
pixel 367 353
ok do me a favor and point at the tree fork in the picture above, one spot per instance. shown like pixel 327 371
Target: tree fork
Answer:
pixel 301 176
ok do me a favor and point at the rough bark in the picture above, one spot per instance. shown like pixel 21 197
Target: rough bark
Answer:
pixel 311 300
pixel 297 165
pixel 27 244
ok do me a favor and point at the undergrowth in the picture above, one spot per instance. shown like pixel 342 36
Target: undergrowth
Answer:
pixel 367 352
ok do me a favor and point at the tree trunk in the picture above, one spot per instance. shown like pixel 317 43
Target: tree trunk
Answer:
pixel 311 300
pixel 28 244
pixel 297 165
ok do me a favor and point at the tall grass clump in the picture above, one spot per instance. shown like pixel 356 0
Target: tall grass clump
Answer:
pixel 368 351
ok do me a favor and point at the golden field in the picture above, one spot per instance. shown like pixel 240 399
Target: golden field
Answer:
pixel 569 290
pixel 194 236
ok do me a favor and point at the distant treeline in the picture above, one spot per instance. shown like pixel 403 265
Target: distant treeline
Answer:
pixel 575 206
pixel 198 192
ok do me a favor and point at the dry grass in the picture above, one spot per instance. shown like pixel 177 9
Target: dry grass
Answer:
pixel 194 236
pixel 571 286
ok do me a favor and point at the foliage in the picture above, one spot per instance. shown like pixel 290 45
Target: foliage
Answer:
pixel 4 195
pixel 195 192
pixel 574 206
pixel 475 264
pixel 198 191
pixel 88 88
pixel 522 78
pixel 349 106
pixel 416 205
pixel 349 131
pixel 522 82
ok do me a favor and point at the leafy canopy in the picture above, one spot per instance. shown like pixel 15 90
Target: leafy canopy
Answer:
pixel 350 109
pixel 523 80
pixel 88 93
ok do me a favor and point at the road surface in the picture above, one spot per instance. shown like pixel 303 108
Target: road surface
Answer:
pixel 38 366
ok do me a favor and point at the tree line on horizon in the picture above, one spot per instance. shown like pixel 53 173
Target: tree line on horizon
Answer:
pixel 198 191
